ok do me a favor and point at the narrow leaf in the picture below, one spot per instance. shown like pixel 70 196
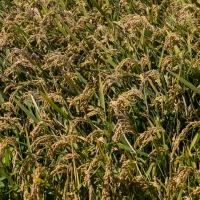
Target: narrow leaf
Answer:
pixel 102 100
pixel 186 83
pixel 101 11
pixel 53 105
pixel 149 169
pixel 28 142
pixel 28 113
pixel 194 141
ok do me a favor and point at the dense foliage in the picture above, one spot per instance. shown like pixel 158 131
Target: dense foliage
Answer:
pixel 99 99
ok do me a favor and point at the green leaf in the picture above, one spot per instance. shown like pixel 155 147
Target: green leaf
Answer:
pixel 3 174
pixel 1 99
pixel 28 113
pixel 194 141
pixel 180 194
pixel 64 29
pixel 127 148
pixel 102 100
pixel 80 77
pixel 2 185
pixel 8 3
pixel 4 96
pixel 28 142
pixel 186 83
pixel 98 7
pixel 67 90
pixel 149 169
pixel 110 60
pixel 62 4
pixel 161 58
pixel 101 151
pixel 8 155
pixel 101 11
pixel 53 105
pixel 149 92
